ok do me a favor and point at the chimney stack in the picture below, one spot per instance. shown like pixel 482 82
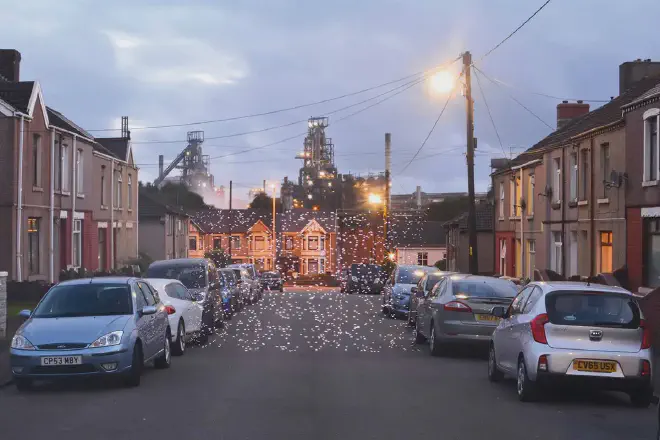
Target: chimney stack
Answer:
pixel 418 197
pixel 632 71
pixel 570 110
pixel 10 65
pixel 161 159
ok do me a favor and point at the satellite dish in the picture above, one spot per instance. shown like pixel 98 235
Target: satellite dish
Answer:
pixel 614 180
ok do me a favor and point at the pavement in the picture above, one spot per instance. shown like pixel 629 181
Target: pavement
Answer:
pixel 316 365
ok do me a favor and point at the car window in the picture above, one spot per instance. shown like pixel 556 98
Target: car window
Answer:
pixel 147 294
pixel 153 291
pixel 532 300
pixel 171 291
pixel 483 288
pixel 182 292
pixel 192 275
pixel 435 292
pixel 140 300
pixel 593 309
pixel 519 301
pixel 409 275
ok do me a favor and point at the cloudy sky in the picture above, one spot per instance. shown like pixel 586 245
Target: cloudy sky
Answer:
pixel 172 62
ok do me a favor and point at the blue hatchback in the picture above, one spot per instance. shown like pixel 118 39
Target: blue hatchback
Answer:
pixel 99 326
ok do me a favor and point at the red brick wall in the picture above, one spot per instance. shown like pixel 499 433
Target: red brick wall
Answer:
pixel 634 247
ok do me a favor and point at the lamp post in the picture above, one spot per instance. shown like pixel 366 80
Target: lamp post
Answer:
pixel 274 230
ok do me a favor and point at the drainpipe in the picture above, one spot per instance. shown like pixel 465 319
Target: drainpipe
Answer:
pixel 137 217
pixel 51 226
pixel 74 194
pixel 592 208
pixel 112 214
pixel 563 211
pixel 19 203
pixel 522 231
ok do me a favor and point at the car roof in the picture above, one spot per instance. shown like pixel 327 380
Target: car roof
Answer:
pixel 551 286
pixel 415 266
pixel 179 262
pixel 162 281
pixel 99 280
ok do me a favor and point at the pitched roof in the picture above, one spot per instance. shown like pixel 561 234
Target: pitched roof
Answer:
pixel 484 213
pixel 59 120
pixel 17 94
pixel 415 231
pixel 119 147
pixel 151 206
pixel 221 221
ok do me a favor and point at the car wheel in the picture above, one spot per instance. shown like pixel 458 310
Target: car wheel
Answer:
pixel 165 360
pixel 23 384
pixel 494 373
pixel 179 346
pixel 134 374
pixel 434 345
pixel 641 398
pixel 525 387
pixel 386 311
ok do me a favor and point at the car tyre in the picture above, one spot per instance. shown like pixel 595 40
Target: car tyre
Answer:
pixel 641 398
pixel 494 373
pixel 434 346
pixel 134 374
pixel 524 386
pixel 165 360
pixel 23 384
pixel 179 346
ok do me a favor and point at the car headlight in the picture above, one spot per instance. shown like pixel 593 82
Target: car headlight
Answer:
pixel 355 279
pixel 20 342
pixel 112 338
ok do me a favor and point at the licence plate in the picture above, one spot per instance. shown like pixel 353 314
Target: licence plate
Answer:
pixel 487 318
pixel 48 361
pixel 594 366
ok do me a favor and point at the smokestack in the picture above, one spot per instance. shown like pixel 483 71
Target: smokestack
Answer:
pixel 418 197
pixel 160 165
pixel 388 167
pixel 10 64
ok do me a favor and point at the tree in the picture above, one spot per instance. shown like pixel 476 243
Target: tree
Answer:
pixel 176 195
pixel 441 264
pixel 264 201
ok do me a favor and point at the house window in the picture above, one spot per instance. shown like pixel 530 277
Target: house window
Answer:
pixel 118 195
pixel 574 177
pixel 555 255
pixel 503 257
pixel 33 245
pixel 556 180
pixel 322 265
pixel 323 242
pixel 501 200
pixel 259 243
pixel 288 243
pixel 573 253
pixel 605 164
pixel 512 198
pixel 423 258
pixel 312 266
pixel 64 176
pixel 179 226
pixel 217 243
pixel 192 243
pixel 531 258
pixel 169 221
pixel 235 242
pixel 584 184
pixel 530 194
pixel 651 263
pixel 80 181
pixel 518 197
pixel 36 160
pixel 77 243
pixel 606 252
pixel 130 192
pixel 651 145
pixel 58 165
pixel 313 243
pixel 103 190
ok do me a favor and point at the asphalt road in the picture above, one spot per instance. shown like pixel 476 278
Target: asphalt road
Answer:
pixel 315 365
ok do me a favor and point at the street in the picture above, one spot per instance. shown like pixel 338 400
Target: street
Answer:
pixel 312 364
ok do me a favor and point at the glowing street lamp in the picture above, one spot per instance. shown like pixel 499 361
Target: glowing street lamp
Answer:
pixel 441 82
pixel 375 199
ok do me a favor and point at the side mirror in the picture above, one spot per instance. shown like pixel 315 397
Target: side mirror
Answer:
pixel 25 313
pixel 148 310
pixel 197 296
pixel 498 311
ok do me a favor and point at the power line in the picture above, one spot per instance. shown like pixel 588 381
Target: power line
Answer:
pixel 514 31
pixel 296 107
pixel 490 115
pixel 514 99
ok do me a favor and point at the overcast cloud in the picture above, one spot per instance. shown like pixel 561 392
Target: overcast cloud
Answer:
pixel 166 62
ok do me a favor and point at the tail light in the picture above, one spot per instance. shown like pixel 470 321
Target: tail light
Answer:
pixel 646 368
pixel 457 306
pixel 543 363
pixel 538 328
pixel 170 310
pixel 646 334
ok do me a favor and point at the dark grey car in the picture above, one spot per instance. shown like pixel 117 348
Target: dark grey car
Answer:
pixel 423 288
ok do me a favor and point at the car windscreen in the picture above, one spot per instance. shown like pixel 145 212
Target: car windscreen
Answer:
pixel 366 270
pixel 491 288
pixel 192 276
pixel 433 280
pixel 270 275
pixel 237 272
pixel 593 309
pixel 71 300
pixel 227 277
pixel 409 275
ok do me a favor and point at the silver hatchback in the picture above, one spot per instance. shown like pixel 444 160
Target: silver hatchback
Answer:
pixel 574 332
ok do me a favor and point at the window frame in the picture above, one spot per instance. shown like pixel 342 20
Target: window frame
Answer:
pixel 119 181
pixel 77 243
pixel 651 118
pixel 556 179
pixel 80 172
pixel 502 195
pixel 557 251
pixel 192 239
pixel 574 176
pixel 602 245
pixel 309 242
pixel 129 196
pixel 422 258
pixel 34 233
pixel 37 161
pixel 531 188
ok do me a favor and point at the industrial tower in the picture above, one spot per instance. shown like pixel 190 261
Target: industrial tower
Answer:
pixel 318 171
pixel 194 165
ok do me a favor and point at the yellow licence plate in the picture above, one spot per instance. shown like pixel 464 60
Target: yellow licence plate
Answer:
pixel 594 366
pixel 489 318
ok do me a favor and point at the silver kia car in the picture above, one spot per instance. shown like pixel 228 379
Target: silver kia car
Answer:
pixel 573 332
pixel 458 310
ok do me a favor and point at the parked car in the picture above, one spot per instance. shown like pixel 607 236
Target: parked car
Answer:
pixel 573 332
pixel 233 301
pixel 458 310
pixel 272 281
pixel 365 278
pixel 185 314
pixel 398 289
pixel 344 274
pixel 423 289
pixel 200 276
pixel 248 278
pixel 86 327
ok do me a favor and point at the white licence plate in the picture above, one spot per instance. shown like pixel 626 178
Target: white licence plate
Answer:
pixel 48 361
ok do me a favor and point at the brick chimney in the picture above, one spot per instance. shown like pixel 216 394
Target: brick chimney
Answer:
pixel 632 71
pixel 570 110
pixel 10 64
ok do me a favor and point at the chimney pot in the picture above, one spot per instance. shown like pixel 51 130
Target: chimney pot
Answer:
pixel 580 101
pixel 564 102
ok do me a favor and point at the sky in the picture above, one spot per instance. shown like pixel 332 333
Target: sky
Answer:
pixel 172 62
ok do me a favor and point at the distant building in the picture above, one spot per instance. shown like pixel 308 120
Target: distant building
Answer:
pixel 417 241
pixel 458 247
pixel 420 200
pixel 163 229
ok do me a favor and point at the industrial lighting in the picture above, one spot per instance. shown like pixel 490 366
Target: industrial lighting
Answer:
pixel 330 184
pixel 322 173
pixel 375 199
pixel 309 196
pixel 392 256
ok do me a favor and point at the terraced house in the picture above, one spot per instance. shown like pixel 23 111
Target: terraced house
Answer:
pixel 66 200
pixel 561 205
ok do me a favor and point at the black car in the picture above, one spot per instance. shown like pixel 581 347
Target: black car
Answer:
pixel 365 278
pixel 272 281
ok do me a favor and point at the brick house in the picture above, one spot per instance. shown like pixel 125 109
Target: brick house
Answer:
pixel 414 240
pixel 561 205
pixel 52 188
pixel 458 242
pixel 164 229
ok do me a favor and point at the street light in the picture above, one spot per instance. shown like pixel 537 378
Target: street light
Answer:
pixel 441 82
pixel 375 199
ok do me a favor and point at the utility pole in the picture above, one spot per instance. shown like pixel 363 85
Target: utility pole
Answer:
pixel 231 218
pixel 386 203
pixel 274 231
pixel 472 212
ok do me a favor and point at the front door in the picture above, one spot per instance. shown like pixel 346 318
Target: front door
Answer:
pixel 103 260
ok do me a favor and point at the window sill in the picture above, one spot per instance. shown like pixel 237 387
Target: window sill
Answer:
pixel 604 201
pixel 63 193
pixel 556 205
pixel 37 189
pixel 514 217
pixel 530 216
pixel 130 210
pixel 116 209
pixel 501 219
pixel 105 208
pixel 649 183
pixel 80 196
pixel 583 202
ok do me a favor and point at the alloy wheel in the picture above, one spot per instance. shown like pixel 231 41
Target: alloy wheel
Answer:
pixel 182 338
